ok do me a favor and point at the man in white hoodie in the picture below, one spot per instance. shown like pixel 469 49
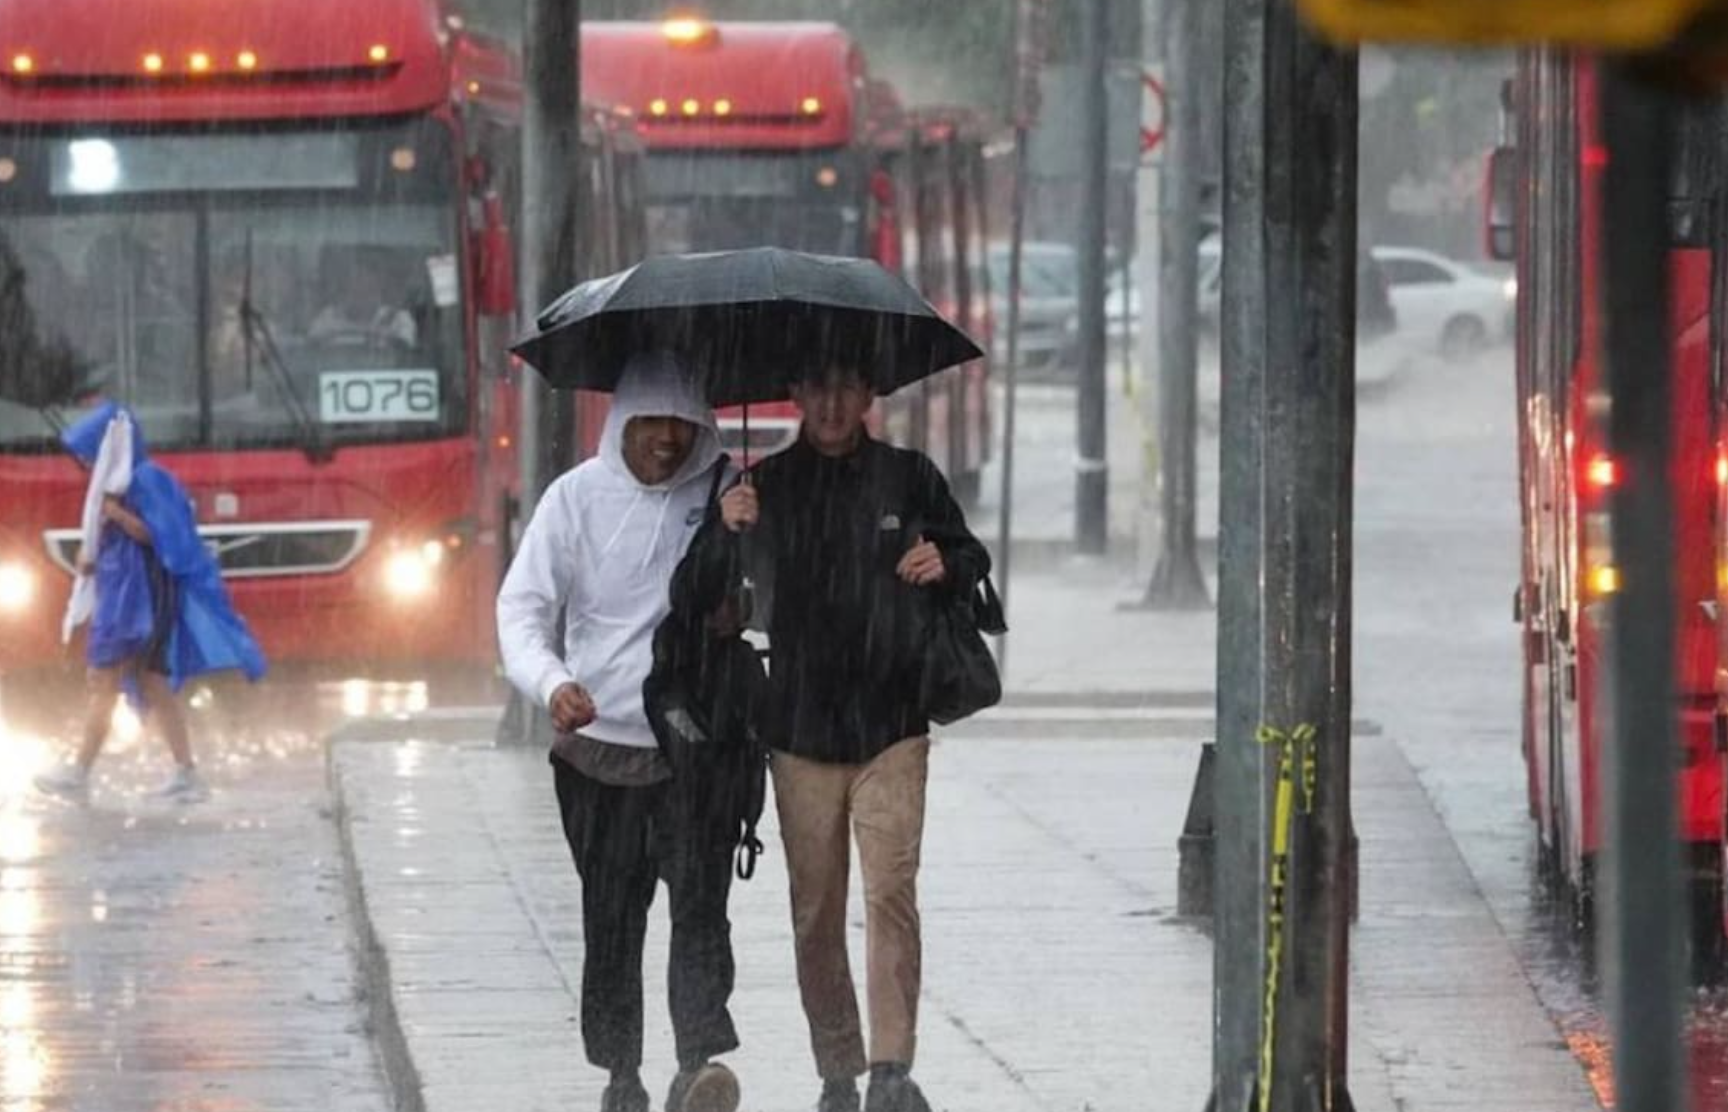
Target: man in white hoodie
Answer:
pixel 600 550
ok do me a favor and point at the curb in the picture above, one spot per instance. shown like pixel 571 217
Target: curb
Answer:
pixel 372 963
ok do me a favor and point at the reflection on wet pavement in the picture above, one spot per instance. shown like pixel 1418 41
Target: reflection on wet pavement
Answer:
pixel 196 959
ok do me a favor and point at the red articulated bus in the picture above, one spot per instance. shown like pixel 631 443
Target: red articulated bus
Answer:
pixel 280 234
pixel 1546 214
pixel 774 133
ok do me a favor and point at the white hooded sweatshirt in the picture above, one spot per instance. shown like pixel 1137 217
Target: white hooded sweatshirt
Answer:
pixel 604 545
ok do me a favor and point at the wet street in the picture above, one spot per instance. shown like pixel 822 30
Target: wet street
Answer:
pixel 199 958
pixel 181 958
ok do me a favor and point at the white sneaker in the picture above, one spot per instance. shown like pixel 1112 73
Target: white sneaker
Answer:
pixel 184 786
pixel 69 781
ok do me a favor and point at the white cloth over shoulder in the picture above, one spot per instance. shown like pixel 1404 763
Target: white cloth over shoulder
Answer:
pixel 110 474
pixel 602 546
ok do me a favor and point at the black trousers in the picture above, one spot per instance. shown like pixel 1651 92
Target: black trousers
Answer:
pixel 624 841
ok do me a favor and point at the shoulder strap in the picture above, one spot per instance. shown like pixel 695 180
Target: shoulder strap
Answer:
pixel 719 476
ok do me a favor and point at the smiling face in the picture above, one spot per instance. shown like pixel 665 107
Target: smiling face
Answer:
pixel 655 448
pixel 833 407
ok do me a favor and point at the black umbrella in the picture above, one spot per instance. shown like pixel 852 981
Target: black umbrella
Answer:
pixel 746 322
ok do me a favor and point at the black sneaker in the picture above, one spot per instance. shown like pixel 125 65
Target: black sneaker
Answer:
pixel 839 1095
pixel 892 1090
pixel 624 1094
pixel 709 1087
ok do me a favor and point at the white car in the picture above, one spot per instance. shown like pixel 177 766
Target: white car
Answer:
pixel 1453 307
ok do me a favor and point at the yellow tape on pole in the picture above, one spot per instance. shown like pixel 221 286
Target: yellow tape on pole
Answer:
pixel 1295 747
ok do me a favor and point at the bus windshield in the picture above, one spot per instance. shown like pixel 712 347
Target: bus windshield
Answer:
pixel 240 291
pixel 805 201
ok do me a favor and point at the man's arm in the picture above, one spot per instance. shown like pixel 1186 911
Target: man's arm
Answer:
pixel 529 603
pixel 965 560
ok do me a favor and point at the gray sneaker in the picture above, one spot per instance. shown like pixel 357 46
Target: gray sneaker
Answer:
pixel 709 1087
pixel 839 1095
pixel 184 785
pixel 624 1094
pixel 894 1092
pixel 69 781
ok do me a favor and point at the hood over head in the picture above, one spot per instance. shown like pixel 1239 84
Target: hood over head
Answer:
pixel 654 384
pixel 83 438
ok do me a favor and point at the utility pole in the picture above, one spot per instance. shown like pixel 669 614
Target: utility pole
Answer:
pixel 1092 467
pixel 1148 337
pixel 1177 582
pixel 1642 944
pixel 1031 34
pixel 551 150
pixel 1289 313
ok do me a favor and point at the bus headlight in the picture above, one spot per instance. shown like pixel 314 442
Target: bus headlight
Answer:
pixel 410 572
pixel 17 588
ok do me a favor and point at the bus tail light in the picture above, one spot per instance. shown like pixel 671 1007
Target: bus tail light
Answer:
pixel 1721 469
pixel 1603 472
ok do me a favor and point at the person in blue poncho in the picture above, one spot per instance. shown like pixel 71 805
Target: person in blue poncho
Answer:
pixel 152 595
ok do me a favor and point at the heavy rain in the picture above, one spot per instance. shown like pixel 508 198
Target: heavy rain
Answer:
pixel 1051 555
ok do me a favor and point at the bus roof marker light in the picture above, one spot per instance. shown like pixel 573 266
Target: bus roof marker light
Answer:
pixel 23 64
pixel 692 106
pixel 811 106
pixel 247 60
pixel 152 63
pixel 657 106
pixel 722 107
pixel 688 31
pixel 199 62
pixel 379 53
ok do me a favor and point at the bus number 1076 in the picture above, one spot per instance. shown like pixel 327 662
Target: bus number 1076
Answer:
pixel 356 396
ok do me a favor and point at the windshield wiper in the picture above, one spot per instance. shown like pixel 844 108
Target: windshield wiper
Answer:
pixel 255 332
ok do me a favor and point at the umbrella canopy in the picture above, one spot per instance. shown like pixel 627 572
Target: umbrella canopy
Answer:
pixel 748 321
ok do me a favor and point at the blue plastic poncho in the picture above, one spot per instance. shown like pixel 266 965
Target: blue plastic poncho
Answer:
pixel 204 633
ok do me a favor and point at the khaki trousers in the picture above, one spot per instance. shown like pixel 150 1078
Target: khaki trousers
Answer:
pixel 822 807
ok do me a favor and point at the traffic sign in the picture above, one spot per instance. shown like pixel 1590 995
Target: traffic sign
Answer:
pixel 1152 132
pixel 1609 24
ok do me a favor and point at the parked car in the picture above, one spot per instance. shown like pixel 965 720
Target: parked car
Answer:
pixel 1456 308
pixel 1377 312
pixel 1049 304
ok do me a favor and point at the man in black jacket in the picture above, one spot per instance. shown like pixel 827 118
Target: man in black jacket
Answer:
pixel 848 543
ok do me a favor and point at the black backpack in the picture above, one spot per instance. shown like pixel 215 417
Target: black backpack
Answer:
pixel 705 696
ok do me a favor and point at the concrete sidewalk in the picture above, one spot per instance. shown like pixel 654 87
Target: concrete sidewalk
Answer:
pixel 1057 976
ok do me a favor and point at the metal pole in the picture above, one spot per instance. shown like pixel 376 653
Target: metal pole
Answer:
pixel 1030 16
pixel 1240 805
pixel 1091 464
pixel 1642 943
pixel 1177 582
pixel 1016 234
pixel 1285 541
pixel 551 147
pixel 1311 137
pixel 551 150
pixel 1148 199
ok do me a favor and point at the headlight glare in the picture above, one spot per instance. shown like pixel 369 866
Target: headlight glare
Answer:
pixel 17 588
